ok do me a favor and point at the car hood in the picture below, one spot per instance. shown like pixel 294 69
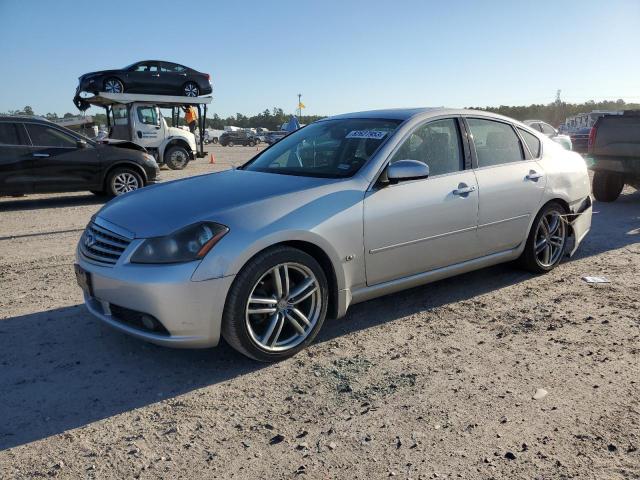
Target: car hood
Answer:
pixel 230 197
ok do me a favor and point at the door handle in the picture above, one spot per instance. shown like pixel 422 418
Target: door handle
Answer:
pixel 464 190
pixel 155 74
pixel 534 176
pixel 41 155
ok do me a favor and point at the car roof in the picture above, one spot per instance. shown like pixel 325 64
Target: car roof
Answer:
pixel 425 112
pixel 22 118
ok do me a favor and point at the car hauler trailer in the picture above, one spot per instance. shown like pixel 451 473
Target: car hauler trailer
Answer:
pixel 137 118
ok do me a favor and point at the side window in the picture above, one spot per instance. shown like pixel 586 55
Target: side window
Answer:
pixel 496 143
pixel 547 129
pixel 143 67
pixel 435 143
pixel 532 142
pixel 9 134
pixel 148 115
pixel 43 136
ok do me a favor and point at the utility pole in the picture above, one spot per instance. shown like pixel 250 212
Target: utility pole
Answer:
pixel 558 96
pixel 299 107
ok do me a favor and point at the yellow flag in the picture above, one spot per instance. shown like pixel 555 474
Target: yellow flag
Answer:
pixel 301 105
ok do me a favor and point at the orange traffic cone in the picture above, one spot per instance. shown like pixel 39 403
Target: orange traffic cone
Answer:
pixel 212 159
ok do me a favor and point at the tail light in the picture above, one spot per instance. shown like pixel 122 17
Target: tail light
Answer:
pixel 592 137
pixel 208 76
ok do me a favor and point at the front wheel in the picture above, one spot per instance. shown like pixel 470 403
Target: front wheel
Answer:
pixel 113 85
pixel 176 158
pixel 276 305
pixel 547 240
pixel 215 140
pixel 229 144
pixel 123 180
pixel 252 143
pixel 607 186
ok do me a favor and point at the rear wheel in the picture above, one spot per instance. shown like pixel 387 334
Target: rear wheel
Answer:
pixel 276 305
pixel 176 158
pixel 607 186
pixel 113 85
pixel 190 89
pixel 229 143
pixel 215 140
pixel 547 239
pixel 252 143
pixel 123 180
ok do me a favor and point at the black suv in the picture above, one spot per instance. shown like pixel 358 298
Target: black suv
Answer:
pixel 38 156
pixel 229 139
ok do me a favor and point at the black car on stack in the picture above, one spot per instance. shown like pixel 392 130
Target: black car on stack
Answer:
pixel 148 76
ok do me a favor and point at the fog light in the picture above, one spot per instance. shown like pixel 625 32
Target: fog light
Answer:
pixel 148 322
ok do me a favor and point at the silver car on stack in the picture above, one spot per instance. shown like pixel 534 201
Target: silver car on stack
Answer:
pixel 344 210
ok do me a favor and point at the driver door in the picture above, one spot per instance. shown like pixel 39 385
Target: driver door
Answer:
pixel 419 225
pixel 147 125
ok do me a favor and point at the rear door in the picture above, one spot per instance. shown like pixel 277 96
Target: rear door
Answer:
pixel 173 77
pixel 145 78
pixel 60 163
pixel 510 182
pixel 15 159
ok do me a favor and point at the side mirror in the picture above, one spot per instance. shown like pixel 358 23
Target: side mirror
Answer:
pixel 81 144
pixel 407 170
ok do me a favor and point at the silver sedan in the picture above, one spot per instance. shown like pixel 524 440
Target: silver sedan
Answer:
pixel 344 210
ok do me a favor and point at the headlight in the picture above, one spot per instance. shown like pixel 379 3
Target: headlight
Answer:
pixel 190 243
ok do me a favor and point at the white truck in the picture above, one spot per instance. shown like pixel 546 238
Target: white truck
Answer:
pixel 137 118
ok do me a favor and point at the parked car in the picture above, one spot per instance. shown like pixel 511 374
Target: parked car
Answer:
pixel 149 76
pixel 580 140
pixel 614 154
pixel 238 137
pixel 38 156
pixel 550 132
pixel 273 137
pixel 349 208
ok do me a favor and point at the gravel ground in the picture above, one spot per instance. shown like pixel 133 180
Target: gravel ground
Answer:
pixel 434 382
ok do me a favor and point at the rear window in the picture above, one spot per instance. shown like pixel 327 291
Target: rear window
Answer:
pixel 532 142
pixel 9 134
pixel 496 142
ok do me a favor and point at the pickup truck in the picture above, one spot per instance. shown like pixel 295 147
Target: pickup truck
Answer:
pixel 614 154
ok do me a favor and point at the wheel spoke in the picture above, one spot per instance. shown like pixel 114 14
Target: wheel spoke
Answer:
pixel 294 323
pixel 556 224
pixel 547 254
pixel 300 289
pixel 285 292
pixel 301 316
pixel 540 245
pixel 262 310
pixel 263 300
pixel 276 336
pixel 277 281
pixel 273 321
pixel 556 241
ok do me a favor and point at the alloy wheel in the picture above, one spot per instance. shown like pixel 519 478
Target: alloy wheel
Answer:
pixel 125 182
pixel 550 238
pixel 113 86
pixel 191 90
pixel 283 307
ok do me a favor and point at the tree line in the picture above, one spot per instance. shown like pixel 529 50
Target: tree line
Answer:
pixel 554 113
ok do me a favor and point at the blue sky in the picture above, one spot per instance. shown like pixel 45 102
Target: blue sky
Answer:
pixel 341 55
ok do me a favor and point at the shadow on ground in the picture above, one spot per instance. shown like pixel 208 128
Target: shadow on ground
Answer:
pixel 16 204
pixel 61 369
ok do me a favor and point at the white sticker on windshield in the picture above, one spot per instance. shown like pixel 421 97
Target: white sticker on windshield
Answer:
pixel 372 134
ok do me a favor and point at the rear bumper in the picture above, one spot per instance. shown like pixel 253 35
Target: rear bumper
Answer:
pixel 189 312
pixel 581 224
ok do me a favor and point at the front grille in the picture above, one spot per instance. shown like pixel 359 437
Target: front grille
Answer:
pixel 101 245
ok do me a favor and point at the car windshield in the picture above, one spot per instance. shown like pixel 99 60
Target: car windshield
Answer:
pixel 329 148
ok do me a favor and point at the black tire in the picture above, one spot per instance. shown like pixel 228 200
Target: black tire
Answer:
pixel 119 175
pixel 252 143
pixel 607 186
pixel 528 259
pixel 234 326
pixel 215 140
pixel 176 158
pixel 190 89
pixel 113 85
pixel 229 143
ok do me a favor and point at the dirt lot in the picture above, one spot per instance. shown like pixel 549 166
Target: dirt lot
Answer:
pixel 435 382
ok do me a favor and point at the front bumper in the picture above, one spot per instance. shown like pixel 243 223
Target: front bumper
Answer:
pixel 190 312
